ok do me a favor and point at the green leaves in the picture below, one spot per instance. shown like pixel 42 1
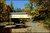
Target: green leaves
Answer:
pixel 18 10
pixel 27 5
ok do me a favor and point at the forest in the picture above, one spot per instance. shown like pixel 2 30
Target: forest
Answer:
pixel 40 12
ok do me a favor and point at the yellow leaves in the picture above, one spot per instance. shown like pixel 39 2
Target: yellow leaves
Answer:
pixel 34 1
pixel 4 7
pixel 26 10
pixel 2 1
pixel 36 10
pixel 41 7
pixel 31 1
pixel 4 13
pixel 45 0
pixel 33 11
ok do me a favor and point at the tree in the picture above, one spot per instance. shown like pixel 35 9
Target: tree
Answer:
pixel 42 12
pixel 43 4
pixel 4 12
pixel 27 5
pixel 2 1
pixel 25 10
pixel 31 4
pixel 18 10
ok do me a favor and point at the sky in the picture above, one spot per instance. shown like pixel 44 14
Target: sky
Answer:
pixel 17 4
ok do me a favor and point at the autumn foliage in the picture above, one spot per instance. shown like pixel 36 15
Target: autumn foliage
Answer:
pixel 4 12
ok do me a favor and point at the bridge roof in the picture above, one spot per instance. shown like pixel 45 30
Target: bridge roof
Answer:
pixel 19 13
